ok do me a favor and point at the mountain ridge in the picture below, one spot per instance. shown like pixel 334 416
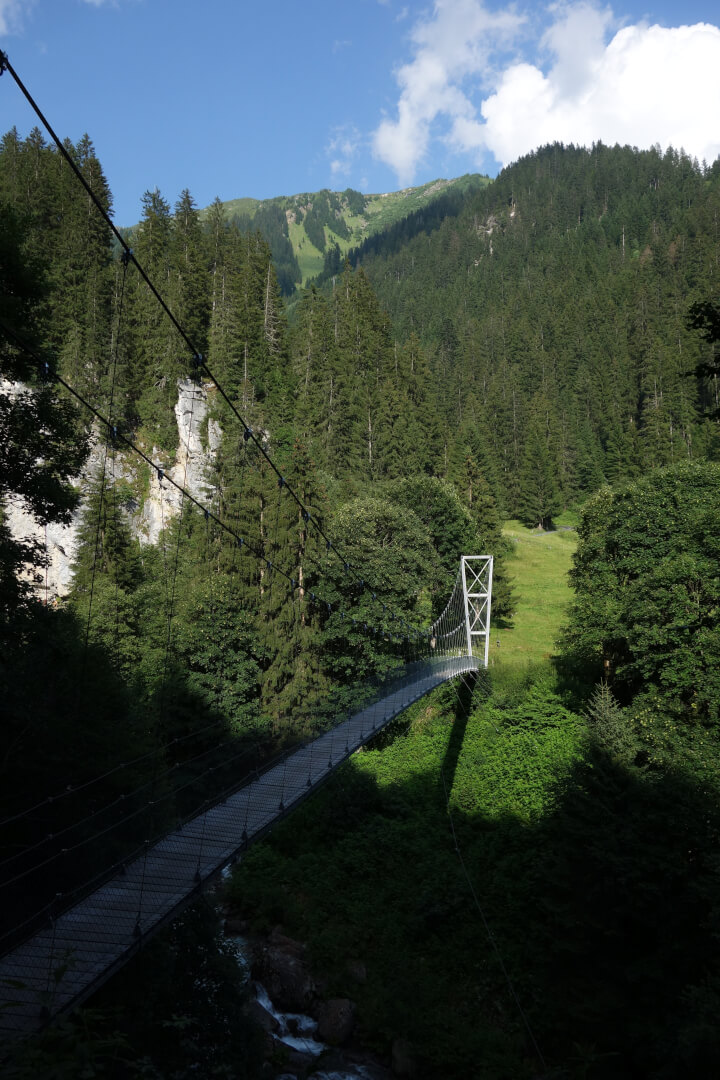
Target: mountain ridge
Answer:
pixel 317 221
pixel 304 227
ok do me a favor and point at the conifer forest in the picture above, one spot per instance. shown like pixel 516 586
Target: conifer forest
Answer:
pixel 517 879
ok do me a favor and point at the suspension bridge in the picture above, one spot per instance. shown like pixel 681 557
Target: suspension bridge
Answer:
pixel 78 949
pixel 54 957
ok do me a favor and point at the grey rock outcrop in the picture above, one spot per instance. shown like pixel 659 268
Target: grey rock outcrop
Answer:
pixel 190 469
pixel 59 541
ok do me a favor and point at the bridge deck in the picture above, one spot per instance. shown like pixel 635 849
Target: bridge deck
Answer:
pixel 61 965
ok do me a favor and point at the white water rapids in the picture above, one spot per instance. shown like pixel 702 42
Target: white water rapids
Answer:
pixel 296 1031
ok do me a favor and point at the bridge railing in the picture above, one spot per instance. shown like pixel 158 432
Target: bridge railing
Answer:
pixel 56 891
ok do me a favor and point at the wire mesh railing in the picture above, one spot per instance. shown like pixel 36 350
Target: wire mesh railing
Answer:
pixel 85 935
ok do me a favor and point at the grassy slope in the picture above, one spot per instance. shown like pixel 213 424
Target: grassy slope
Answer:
pixel 238 206
pixel 579 862
pixel 381 211
pixel 539 573
pixel 310 259
pixel 366 869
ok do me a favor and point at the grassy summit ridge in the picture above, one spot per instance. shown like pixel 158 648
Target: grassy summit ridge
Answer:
pixel 316 221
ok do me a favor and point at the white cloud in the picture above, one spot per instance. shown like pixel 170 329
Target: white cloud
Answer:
pixel 451 46
pixel 342 150
pixel 649 84
pixel 11 15
pixel 637 84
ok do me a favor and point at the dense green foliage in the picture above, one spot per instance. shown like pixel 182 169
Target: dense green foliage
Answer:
pixel 553 313
pixel 595 881
pixel 508 350
pixel 704 315
pixel 647 582
pixel 394 236
pixel 188 1021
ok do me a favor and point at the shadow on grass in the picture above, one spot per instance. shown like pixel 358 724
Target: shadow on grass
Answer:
pixel 605 910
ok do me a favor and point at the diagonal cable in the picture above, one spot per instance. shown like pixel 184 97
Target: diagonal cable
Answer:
pixel 198 360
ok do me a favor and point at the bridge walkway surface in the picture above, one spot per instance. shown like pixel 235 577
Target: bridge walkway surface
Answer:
pixel 61 965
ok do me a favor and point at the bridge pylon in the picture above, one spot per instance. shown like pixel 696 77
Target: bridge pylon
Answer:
pixel 477 573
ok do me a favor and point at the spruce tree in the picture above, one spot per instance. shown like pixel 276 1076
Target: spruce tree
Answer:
pixel 83 275
pixel 538 490
pixel 41 442
pixel 107 573
pixel 315 369
pixel 188 296
pixel 160 355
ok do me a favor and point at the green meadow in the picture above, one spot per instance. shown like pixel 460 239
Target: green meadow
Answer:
pixel 538 566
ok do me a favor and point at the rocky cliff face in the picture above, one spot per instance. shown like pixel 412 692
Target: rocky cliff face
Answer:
pixel 190 470
pixel 193 459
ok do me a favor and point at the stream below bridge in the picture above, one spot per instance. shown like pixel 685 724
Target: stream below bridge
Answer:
pixel 294 1050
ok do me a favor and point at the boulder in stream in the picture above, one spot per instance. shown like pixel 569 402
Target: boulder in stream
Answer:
pixel 336 1020
pixel 349 1065
pixel 262 1016
pixel 282 969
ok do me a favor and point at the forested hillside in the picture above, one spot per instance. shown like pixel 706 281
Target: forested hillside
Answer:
pixel 507 356
pixel 553 315
pixel 311 232
pixel 238 631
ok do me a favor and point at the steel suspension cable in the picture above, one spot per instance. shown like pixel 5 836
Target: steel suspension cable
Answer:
pixel 135 813
pixel 117 801
pixel 72 790
pixel 157 469
pixel 198 359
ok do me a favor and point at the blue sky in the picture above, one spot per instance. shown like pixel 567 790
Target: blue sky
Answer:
pixel 238 97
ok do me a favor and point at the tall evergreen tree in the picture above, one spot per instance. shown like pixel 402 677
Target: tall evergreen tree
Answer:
pixel 188 295
pixel 41 444
pixel 539 493
pixel 160 356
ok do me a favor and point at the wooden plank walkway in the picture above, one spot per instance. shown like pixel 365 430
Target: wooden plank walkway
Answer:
pixel 61 965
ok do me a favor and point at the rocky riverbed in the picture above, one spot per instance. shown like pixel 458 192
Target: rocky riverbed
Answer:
pixel 308 1035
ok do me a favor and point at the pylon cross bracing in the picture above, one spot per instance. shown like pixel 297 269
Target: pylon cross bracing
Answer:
pixel 477 572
